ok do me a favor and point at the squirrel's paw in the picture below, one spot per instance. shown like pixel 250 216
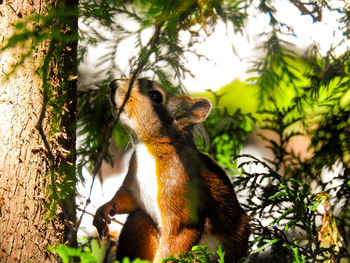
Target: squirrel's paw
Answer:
pixel 102 218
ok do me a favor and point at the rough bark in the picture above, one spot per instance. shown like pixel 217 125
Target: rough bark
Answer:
pixel 25 228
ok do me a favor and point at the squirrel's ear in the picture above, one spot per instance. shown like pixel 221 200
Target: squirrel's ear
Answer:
pixel 200 109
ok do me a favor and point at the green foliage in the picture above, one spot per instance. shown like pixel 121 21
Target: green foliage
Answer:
pixel 283 196
pixel 221 255
pixel 197 254
pixel 127 260
pixel 86 255
pixel 274 69
pixel 286 194
pixel 67 253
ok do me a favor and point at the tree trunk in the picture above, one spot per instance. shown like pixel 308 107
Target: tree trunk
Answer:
pixel 26 229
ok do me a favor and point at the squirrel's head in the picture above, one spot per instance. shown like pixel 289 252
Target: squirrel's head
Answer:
pixel 149 112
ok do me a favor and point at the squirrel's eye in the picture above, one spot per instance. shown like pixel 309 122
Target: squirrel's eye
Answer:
pixel 156 96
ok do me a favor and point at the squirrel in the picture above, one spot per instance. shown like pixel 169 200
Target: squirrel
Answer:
pixel 176 196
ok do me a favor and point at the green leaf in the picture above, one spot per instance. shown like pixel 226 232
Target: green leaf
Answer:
pixel 66 253
pixel 278 195
pixel 268 244
pixel 284 214
pixel 316 203
pixel 221 255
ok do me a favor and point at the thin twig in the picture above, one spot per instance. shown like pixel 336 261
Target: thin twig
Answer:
pixel 91 214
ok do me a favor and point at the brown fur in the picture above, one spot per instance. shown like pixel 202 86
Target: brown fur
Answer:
pixel 195 196
pixel 139 238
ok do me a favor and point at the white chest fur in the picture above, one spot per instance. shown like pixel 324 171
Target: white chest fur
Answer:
pixel 145 182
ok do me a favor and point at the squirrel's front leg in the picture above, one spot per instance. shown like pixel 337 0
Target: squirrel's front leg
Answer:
pixel 122 203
